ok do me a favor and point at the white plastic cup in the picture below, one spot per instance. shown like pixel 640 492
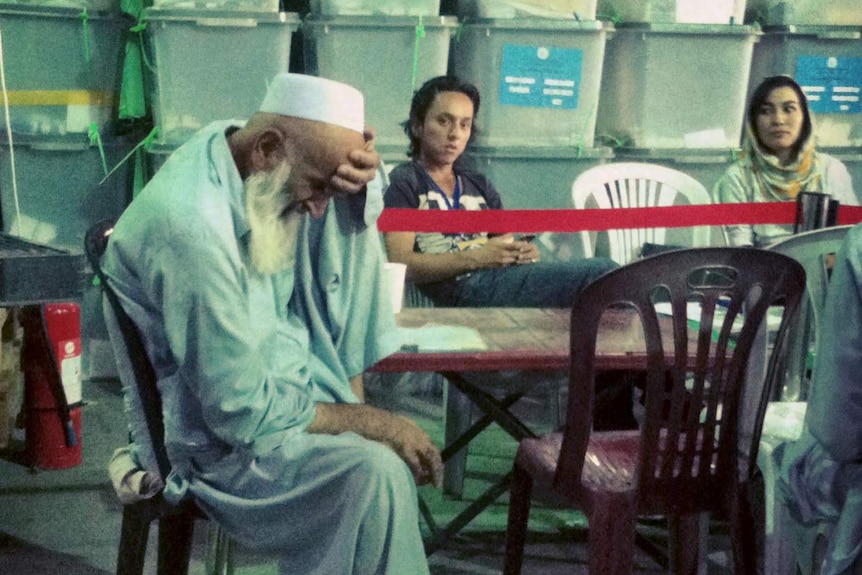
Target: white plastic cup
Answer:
pixel 394 274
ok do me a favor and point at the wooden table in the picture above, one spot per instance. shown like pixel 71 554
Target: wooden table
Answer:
pixel 516 339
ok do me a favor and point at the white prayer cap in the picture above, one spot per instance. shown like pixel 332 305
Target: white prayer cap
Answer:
pixel 313 98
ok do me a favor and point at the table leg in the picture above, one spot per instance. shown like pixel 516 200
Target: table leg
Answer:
pixel 459 412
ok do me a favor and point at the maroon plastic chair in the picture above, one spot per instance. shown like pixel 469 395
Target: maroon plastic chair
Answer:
pixel 696 449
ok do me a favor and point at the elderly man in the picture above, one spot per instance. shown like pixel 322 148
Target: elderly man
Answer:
pixel 252 265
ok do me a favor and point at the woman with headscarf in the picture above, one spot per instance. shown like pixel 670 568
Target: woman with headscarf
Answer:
pixel 779 160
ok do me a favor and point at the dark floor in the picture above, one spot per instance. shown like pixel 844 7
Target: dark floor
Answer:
pixel 67 521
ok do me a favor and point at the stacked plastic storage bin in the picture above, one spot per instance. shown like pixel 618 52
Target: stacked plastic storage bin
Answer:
pixel 212 64
pixel 62 158
pixel 62 87
pixel 674 83
pixel 386 48
pixel 538 68
pixel 820 45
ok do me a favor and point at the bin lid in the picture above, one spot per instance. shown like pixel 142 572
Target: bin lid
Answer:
pixel 381 21
pixel 67 12
pixel 222 18
pixel 822 32
pixel 685 28
pixel 540 24
pixel 679 155
pixel 541 152
pixel 65 143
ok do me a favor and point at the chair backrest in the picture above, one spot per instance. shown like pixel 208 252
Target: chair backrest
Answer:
pixel 636 185
pixel 813 250
pixel 699 435
pixel 136 371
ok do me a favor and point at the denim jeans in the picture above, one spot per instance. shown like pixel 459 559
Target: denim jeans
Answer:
pixel 540 284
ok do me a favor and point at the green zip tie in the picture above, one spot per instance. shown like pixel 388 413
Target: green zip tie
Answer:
pixel 615 17
pixel 96 140
pixel 86 28
pixel 146 145
pixel 420 33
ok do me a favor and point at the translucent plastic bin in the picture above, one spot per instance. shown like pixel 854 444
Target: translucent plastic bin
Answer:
pixel 539 79
pixel 811 12
pixel 675 85
pixel 852 159
pixel 704 165
pixel 210 65
pixel 375 7
pixel 566 9
pixel 675 11
pixel 535 177
pixel 59 80
pixel 386 58
pixel 827 62
pixel 59 191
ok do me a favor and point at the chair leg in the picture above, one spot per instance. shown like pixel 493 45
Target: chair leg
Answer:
pixel 744 533
pixel 612 535
pixel 219 551
pixel 133 540
pixel 459 417
pixel 519 514
pixel 688 543
pixel 175 544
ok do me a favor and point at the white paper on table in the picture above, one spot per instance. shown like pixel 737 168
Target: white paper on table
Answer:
pixel 432 337
pixel 693 314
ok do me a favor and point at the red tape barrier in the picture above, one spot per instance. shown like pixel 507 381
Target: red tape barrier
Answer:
pixel 570 220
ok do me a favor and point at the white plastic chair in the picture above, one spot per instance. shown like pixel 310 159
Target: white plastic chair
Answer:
pixel 636 185
pixel 784 417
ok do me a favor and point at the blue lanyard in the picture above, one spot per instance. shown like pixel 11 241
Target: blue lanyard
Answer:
pixel 457 195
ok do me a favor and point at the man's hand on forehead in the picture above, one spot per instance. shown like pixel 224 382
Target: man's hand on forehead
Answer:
pixel 361 168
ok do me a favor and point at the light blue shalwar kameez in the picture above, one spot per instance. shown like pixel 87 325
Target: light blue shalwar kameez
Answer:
pixel 821 473
pixel 242 358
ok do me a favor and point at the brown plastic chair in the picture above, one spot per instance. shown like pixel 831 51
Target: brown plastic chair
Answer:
pixel 696 449
pixel 176 522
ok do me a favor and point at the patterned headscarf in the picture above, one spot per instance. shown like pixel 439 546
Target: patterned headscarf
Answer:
pixel 776 181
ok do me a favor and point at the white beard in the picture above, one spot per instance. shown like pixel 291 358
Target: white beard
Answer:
pixel 273 235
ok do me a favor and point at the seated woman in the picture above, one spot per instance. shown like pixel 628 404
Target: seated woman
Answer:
pixel 467 269
pixel 778 161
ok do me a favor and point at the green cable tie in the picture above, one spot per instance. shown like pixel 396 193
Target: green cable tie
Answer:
pixel 615 17
pixel 420 33
pixel 96 140
pixel 85 26
pixel 145 143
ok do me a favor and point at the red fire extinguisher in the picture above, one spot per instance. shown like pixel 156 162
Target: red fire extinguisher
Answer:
pixel 51 361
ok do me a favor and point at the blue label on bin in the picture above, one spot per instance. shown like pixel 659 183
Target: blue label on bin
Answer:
pixel 540 76
pixel 832 85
